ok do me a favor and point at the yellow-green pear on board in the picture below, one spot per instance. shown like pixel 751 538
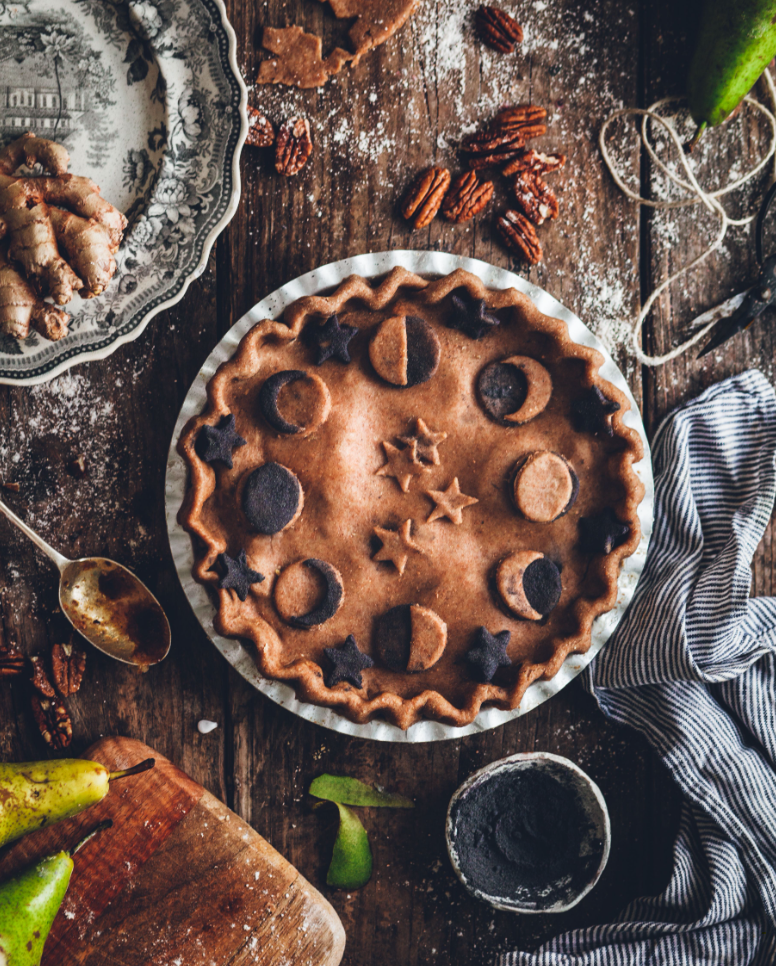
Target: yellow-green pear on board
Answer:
pixel 36 794
pixel 29 904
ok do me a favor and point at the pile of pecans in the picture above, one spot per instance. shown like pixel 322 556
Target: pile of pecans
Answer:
pixel 293 140
pixel 502 144
pixel 67 663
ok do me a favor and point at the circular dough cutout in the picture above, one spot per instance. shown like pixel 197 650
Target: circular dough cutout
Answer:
pixel 515 390
pixel 410 638
pixel 272 498
pixel 405 351
pixel 295 402
pixel 528 584
pixel 545 486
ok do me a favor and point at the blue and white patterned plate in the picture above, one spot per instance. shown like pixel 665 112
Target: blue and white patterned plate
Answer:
pixel 148 99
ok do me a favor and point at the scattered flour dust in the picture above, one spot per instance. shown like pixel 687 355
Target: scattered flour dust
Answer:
pixel 50 428
pixel 448 84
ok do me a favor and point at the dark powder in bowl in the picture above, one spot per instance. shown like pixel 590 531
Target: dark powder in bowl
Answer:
pixel 525 835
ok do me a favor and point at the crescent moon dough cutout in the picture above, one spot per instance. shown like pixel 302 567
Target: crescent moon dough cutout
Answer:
pixel 529 584
pixel 515 390
pixel 410 638
pixel 405 351
pixel 302 396
pixel 545 486
pixel 308 593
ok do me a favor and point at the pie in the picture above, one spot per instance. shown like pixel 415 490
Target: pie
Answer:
pixel 413 496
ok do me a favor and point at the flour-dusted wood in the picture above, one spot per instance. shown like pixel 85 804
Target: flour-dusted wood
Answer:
pixel 375 127
pixel 179 878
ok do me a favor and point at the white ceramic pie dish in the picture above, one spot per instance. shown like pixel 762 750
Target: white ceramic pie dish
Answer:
pixel 238 653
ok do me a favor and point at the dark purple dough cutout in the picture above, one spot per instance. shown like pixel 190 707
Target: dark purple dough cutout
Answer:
pixel 393 637
pixel 268 399
pixel 502 389
pixel 542 585
pixel 271 498
pixel 332 598
pixel 423 351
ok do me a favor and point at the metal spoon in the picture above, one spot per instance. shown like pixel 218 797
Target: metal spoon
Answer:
pixel 106 603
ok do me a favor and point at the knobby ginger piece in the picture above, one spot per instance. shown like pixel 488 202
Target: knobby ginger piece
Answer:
pixel 20 308
pixel 58 237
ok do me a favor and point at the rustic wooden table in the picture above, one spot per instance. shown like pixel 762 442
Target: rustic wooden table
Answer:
pixel 401 109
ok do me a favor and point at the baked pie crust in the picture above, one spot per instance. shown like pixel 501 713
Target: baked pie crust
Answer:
pixel 402 530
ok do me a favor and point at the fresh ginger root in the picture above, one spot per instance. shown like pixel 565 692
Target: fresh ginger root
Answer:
pixel 59 237
pixel 20 308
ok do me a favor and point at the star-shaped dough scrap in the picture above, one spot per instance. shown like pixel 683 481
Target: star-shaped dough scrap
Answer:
pixel 397 545
pixel 403 464
pixel 450 503
pixel 489 653
pixel 427 441
pixel 238 577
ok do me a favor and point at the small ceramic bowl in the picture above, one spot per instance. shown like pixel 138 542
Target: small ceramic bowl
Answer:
pixel 589 849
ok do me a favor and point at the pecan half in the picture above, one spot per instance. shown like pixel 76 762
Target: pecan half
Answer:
pixel 53 721
pixel 535 197
pixel 425 196
pixel 497 29
pixel 519 235
pixel 68 664
pixel 11 661
pixel 535 162
pixel 40 679
pixel 467 197
pixel 523 117
pixel 525 120
pixel 488 150
pixel 293 146
pixel 261 133
pixel 494 139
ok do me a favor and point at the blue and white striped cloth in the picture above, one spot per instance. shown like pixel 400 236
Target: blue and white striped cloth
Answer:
pixel 693 666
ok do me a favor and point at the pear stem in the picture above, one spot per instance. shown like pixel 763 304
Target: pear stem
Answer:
pixel 87 838
pixel 690 146
pixel 134 770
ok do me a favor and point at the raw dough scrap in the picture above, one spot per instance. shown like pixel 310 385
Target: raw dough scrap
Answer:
pixel 378 20
pixel 299 56
pixel 299 60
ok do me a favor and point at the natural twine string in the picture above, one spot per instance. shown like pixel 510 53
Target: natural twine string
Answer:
pixel 709 199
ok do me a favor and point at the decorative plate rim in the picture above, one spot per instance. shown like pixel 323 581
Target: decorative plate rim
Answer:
pixel 93 355
pixel 176 480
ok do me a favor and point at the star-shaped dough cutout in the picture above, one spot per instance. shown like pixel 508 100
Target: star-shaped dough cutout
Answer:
pixel 592 413
pixel 217 442
pixel 470 315
pixel 397 545
pixel 489 653
pixel 450 503
pixel 403 464
pixel 347 663
pixel 427 441
pixel 331 340
pixel 238 577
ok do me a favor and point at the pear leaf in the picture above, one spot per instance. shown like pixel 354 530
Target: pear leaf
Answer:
pixel 351 860
pixel 350 791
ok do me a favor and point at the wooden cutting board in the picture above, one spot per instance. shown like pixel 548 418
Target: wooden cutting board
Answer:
pixel 179 880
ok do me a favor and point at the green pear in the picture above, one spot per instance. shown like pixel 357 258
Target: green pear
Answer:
pixel 36 794
pixel 29 904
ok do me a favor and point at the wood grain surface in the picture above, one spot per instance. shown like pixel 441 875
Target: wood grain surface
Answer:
pixel 401 109
pixel 178 878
